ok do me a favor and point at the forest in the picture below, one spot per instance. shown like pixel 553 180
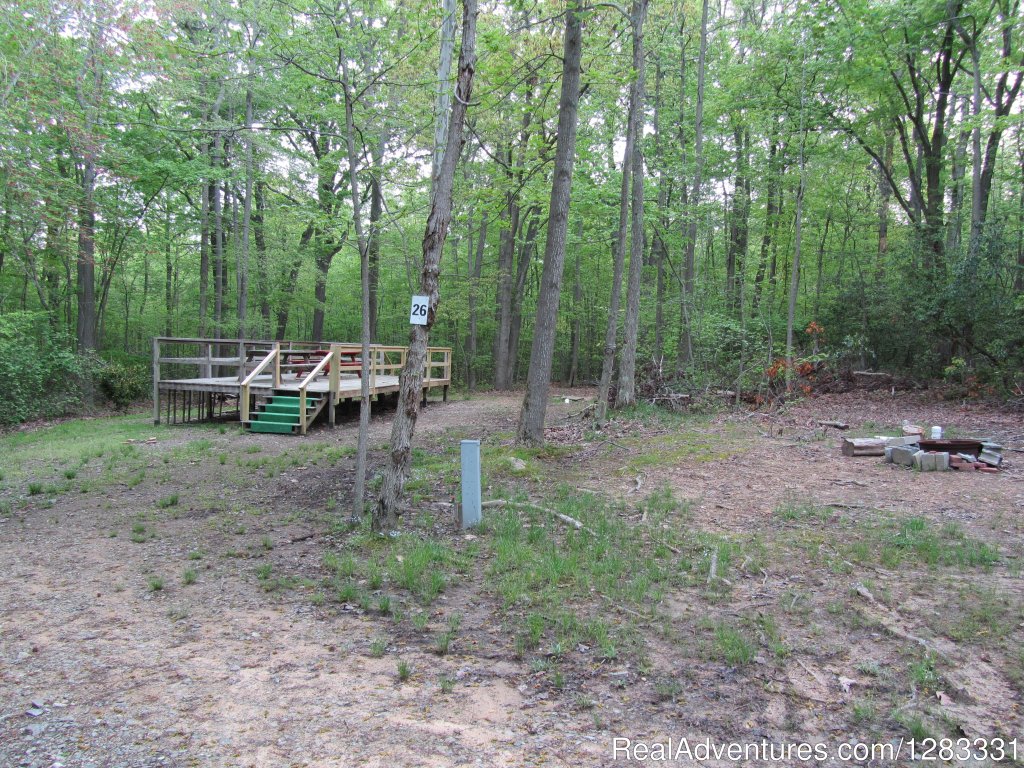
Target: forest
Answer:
pixel 755 185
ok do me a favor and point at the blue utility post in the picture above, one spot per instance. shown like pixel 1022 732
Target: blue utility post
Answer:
pixel 470 483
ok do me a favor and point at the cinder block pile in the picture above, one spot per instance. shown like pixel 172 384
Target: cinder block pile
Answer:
pixel 935 455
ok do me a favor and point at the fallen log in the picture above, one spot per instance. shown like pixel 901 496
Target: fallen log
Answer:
pixel 840 425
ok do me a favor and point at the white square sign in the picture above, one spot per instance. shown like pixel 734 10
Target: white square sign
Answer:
pixel 418 313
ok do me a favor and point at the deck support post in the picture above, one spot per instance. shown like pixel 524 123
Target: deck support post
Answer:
pixel 156 380
pixel 333 383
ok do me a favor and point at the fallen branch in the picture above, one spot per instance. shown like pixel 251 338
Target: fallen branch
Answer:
pixel 564 518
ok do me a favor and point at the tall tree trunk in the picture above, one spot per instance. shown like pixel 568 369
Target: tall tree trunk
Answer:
pixel 86 263
pixel 884 197
pixel 956 177
pixel 572 376
pixel 506 252
pixel 625 394
pixel 611 336
pixel 169 266
pixel 771 214
pixel 260 241
pixel 373 246
pixel 411 380
pixel 794 279
pixel 475 269
pixel 526 251
pixel 362 443
pixel 243 266
pixel 685 356
pixel 88 91
pixel 204 260
pixel 659 247
pixel 531 418
pixel 739 218
pixel 218 248
pixel 442 93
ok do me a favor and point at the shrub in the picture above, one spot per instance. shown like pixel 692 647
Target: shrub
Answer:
pixel 124 382
pixel 39 374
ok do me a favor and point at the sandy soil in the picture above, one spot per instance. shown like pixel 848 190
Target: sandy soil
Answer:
pixel 96 669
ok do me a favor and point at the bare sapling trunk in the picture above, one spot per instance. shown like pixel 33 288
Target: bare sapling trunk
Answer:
pixel 411 381
pixel 531 417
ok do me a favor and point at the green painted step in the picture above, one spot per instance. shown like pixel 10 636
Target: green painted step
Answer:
pixel 282 408
pixel 270 426
pixel 280 414
pixel 279 418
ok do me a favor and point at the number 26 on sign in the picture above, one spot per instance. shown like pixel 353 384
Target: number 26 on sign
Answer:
pixel 418 313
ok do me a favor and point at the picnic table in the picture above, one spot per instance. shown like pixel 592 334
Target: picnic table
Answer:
pixel 303 361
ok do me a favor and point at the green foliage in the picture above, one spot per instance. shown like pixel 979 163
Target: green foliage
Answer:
pixel 39 375
pixel 124 382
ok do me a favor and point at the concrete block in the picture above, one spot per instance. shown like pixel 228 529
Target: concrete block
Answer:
pixel 903 455
pixel 941 462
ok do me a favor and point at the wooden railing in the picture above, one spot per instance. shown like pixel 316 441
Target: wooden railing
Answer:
pixel 274 356
pixel 252 358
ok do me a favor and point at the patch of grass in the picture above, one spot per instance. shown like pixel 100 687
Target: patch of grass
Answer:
pixel 983 615
pixel 420 566
pixel 155 583
pixel 915 725
pixel 348 592
pixel 70 474
pixel 343 565
pixel 264 571
pixel 195 554
pixel 189 576
pixel 34 489
pixel 267 543
pixel 914 539
pixel 668 689
pixel 733 646
pixel 404 670
pixel 446 684
pixel 140 534
pixel 863 710
pixel 378 647
pixel 794 510
pixel 772 637
pixel 384 604
pixel 420 620
pixel 558 679
pixel 168 501
pixel 923 674
pixel 443 643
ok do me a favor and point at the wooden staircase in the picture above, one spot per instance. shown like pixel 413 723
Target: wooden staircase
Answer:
pixel 280 413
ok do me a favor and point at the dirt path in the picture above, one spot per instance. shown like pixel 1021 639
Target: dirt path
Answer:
pixel 98 668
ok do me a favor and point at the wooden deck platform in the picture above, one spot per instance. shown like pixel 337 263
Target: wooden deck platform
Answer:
pixel 205 375
pixel 349 386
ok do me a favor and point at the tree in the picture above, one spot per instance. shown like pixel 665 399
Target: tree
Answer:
pixel 531 417
pixel 411 379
